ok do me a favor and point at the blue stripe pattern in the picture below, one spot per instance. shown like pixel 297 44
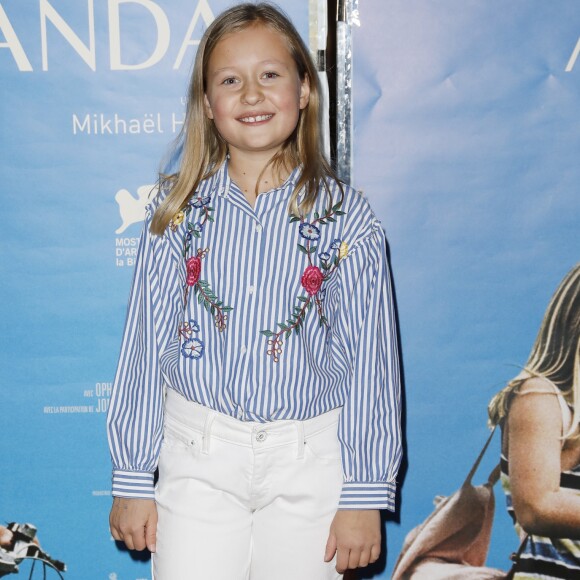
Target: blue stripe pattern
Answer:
pixel 253 263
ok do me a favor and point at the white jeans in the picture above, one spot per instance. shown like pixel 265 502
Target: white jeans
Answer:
pixel 245 501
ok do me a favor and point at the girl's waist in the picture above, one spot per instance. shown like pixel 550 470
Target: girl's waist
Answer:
pixel 279 432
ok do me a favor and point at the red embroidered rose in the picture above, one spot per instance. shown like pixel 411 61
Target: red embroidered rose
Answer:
pixel 193 270
pixel 312 280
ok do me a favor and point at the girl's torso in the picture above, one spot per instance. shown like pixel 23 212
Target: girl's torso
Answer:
pixel 264 304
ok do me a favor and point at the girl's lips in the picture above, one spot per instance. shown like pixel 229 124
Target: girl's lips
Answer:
pixel 253 119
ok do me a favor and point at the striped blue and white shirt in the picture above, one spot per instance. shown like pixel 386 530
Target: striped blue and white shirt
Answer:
pixel 263 316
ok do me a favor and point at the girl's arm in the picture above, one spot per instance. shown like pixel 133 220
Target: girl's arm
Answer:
pixel 135 416
pixel 535 450
pixel 369 427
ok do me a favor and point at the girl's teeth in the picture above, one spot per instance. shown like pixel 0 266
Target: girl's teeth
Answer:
pixel 256 119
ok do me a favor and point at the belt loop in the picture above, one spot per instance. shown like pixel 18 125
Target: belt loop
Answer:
pixel 209 418
pixel 301 439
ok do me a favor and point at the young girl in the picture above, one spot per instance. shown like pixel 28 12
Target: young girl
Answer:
pixel 539 413
pixel 259 367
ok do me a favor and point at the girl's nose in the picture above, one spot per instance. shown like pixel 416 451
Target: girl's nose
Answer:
pixel 252 94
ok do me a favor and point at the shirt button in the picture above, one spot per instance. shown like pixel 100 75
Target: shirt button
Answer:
pixel 251 289
pixel 243 350
pixel 261 436
pixel 259 228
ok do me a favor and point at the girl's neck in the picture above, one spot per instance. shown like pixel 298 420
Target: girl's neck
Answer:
pixel 253 175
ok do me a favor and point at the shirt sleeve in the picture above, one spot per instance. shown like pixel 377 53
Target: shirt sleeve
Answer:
pixel 369 426
pixel 135 416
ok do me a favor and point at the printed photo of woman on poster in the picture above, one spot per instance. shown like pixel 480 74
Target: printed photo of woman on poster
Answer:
pixel 539 413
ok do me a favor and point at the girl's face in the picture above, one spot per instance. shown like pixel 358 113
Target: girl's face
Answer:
pixel 253 91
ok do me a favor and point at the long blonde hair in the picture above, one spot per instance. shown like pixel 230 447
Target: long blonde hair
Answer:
pixel 202 148
pixel 555 355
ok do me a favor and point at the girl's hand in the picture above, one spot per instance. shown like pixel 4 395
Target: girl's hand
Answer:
pixel 134 521
pixel 355 537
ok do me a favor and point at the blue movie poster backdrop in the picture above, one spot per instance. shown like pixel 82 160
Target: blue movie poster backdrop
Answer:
pixel 466 139
pixel 92 95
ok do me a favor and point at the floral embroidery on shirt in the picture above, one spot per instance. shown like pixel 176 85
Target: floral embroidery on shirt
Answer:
pixel 312 278
pixel 193 347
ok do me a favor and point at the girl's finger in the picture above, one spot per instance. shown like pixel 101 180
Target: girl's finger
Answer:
pixel 365 558
pixel 354 559
pixel 342 559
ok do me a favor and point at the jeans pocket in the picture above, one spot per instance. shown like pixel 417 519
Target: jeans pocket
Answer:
pixel 178 437
pixel 325 444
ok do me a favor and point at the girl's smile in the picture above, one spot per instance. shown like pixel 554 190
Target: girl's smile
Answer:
pixel 254 93
pixel 256 118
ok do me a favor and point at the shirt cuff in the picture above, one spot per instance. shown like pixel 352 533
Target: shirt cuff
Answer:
pixel 137 484
pixel 362 495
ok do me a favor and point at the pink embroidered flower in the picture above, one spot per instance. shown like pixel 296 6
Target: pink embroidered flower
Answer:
pixel 312 280
pixel 193 270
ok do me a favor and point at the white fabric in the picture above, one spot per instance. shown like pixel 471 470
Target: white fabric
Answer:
pixel 243 500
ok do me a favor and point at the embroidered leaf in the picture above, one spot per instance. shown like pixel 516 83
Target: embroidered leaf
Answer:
pixel 321 221
pixel 340 212
pixel 302 299
pixel 267 333
pixel 282 326
pixel 335 260
pixel 330 219
pixel 294 219
pixel 316 215
pixel 302 249
pixel 210 219
pixel 199 297
pixel 196 234
pixel 288 333
pixel 312 249
pixel 227 308
pixel 336 206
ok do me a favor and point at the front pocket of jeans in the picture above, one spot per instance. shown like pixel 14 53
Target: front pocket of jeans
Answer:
pixel 180 438
pixel 324 444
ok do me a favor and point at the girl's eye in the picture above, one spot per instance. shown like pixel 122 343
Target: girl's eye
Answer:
pixel 229 81
pixel 271 75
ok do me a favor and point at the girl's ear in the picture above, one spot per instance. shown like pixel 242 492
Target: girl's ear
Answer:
pixel 207 107
pixel 305 92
